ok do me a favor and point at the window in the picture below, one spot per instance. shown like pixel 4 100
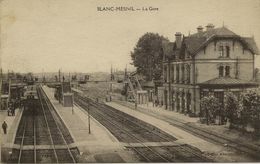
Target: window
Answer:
pixel 188 102
pixel 221 51
pixel 224 51
pixel 227 70
pixel 178 101
pixel 221 71
pixel 183 101
pixel 165 73
pixel 172 73
pixel 227 51
pixel 183 73
pixel 188 74
pixel 177 73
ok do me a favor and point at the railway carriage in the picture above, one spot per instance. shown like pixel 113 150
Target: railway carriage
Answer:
pixel 31 92
pixel 30 96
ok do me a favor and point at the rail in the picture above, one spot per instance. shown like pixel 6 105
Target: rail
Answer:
pixel 116 115
pixel 45 118
pixel 210 136
pixel 50 106
pixel 21 146
pixel 129 134
pixel 182 147
pixel 34 140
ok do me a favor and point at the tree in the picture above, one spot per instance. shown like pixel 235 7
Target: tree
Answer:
pixel 147 55
pixel 232 108
pixel 209 106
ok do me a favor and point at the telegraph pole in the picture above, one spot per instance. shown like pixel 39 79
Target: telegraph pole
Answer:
pixel 59 75
pixel 9 90
pixel 89 132
pixel 72 99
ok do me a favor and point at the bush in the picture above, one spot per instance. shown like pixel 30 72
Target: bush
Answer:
pixel 232 108
pixel 250 113
pixel 209 106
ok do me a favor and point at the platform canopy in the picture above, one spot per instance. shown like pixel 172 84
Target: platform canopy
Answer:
pixel 228 82
pixel 4 96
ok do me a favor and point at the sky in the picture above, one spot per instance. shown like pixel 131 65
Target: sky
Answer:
pixel 72 35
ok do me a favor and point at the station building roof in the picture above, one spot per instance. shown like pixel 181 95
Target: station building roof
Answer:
pixel 195 42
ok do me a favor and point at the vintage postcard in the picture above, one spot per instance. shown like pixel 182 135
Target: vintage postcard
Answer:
pixel 129 81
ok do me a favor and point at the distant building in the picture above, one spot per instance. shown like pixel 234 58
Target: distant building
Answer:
pixel 67 96
pixel 215 60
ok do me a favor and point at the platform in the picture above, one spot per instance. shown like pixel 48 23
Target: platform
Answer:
pixel 7 140
pixel 100 144
pixel 152 144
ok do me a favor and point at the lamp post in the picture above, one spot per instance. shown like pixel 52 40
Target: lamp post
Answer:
pixel 72 109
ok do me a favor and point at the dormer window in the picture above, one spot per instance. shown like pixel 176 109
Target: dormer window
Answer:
pixel 227 51
pixel 221 51
pixel 224 51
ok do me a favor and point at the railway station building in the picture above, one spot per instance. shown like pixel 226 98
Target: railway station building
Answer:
pixel 214 60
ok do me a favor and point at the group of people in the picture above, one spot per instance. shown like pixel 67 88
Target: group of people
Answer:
pixel 156 102
pixel 11 111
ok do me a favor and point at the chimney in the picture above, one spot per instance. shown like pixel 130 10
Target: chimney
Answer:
pixel 200 29
pixel 210 26
pixel 178 40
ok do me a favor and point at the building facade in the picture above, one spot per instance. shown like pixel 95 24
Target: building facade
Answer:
pixel 215 60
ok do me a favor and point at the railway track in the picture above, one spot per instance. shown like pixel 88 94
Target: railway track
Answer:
pixel 129 129
pixel 41 134
pixel 252 150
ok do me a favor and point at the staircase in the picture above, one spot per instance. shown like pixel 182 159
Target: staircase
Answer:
pixel 133 86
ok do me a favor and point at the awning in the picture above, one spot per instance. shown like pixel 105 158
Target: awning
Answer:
pixel 227 82
pixel 4 96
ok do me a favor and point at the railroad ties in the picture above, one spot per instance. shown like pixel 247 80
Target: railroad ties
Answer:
pixel 148 142
pixel 42 137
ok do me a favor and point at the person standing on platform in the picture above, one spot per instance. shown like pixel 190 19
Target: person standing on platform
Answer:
pixel 13 111
pixel 8 111
pixel 4 126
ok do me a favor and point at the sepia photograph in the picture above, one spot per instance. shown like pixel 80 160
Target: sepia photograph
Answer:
pixel 130 81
